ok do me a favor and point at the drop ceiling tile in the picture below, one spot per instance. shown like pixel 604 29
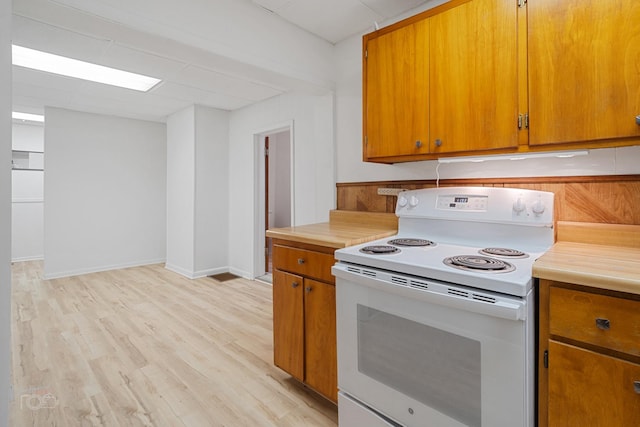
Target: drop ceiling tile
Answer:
pixel 212 81
pixel 45 80
pixel 137 61
pixel 273 5
pixel 390 9
pixel 47 38
pixel 123 102
pixel 173 90
pixel 333 20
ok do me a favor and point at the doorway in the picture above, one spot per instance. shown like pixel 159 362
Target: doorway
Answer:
pixel 276 188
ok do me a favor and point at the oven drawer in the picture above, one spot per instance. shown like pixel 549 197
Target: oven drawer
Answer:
pixel 307 263
pixel 601 320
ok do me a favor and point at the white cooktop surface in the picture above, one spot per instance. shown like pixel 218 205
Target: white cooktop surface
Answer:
pixel 427 262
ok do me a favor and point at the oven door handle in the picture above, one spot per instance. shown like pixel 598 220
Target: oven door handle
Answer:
pixel 466 299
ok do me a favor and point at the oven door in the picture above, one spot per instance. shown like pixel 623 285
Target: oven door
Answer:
pixel 423 357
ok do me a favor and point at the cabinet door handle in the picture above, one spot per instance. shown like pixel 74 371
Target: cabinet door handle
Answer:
pixel 636 386
pixel 418 144
pixel 438 142
pixel 300 261
pixel 294 284
pixel 308 289
pixel 603 324
pixel 638 120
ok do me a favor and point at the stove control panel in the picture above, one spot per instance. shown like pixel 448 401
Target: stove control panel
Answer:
pixel 479 204
pixel 466 203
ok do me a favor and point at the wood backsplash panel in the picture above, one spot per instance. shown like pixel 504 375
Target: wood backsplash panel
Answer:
pixel 611 199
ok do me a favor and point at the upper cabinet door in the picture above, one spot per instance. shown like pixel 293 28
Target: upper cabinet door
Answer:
pixel 584 70
pixel 396 92
pixel 474 81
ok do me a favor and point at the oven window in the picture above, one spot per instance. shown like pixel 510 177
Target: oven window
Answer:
pixel 435 367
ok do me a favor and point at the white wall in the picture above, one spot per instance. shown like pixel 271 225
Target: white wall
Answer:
pixel 5 211
pixel 105 193
pixel 197 191
pixel 27 238
pixel 313 174
pixel 351 168
pixel 211 191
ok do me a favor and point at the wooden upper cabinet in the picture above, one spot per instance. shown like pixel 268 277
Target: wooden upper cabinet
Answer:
pixel 396 92
pixel 584 70
pixel 473 77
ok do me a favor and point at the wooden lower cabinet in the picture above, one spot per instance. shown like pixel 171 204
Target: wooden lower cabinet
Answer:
pixel 288 323
pixel 320 338
pixel 304 320
pixel 589 357
pixel 587 388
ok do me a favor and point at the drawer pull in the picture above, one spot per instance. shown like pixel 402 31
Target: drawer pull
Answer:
pixel 636 386
pixel 294 284
pixel 603 324
pixel 300 261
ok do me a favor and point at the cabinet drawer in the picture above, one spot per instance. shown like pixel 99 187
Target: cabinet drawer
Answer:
pixel 301 261
pixel 600 320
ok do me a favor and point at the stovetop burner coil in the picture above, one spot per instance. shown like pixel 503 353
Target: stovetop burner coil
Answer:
pixel 379 250
pixel 411 242
pixel 503 252
pixel 479 264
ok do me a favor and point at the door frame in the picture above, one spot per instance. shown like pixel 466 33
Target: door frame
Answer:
pixel 259 188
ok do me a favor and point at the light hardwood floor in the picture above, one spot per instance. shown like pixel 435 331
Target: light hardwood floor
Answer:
pixel 146 347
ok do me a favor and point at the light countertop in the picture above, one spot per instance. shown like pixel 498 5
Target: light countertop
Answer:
pixel 608 266
pixel 345 228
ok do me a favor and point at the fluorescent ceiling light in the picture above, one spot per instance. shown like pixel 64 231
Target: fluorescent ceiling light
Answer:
pixel 515 156
pixel 26 116
pixel 37 60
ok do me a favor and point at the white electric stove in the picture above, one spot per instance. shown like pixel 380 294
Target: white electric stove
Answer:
pixel 436 324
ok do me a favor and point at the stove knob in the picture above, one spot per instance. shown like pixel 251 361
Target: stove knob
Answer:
pixel 538 207
pixel 413 201
pixel 402 201
pixel 519 206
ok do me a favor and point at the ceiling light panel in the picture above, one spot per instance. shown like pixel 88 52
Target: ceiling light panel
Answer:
pixel 27 116
pixel 43 61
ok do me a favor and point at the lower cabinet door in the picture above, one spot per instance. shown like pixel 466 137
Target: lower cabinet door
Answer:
pixel 590 389
pixel 320 342
pixel 288 323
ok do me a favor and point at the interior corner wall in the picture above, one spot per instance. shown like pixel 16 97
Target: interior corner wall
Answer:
pixel 197 191
pixel 5 211
pixel 180 192
pixel 104 193
pixel 211 191
pixel 313 168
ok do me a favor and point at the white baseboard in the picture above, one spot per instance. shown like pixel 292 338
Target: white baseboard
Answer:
pixel 28 258
pixel 195 274
pixel 97 269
